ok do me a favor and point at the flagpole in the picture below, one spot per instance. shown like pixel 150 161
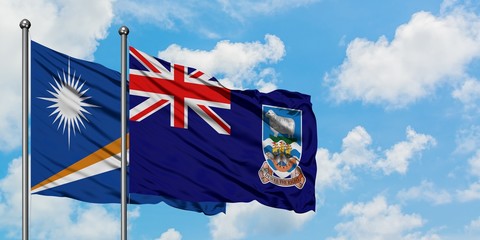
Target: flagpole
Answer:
pixel 123 31
pixel 25 26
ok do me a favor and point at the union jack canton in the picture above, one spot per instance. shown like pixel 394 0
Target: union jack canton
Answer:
pixel 166 84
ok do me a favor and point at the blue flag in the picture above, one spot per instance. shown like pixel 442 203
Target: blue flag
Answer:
pixel 193 139
pixel 75 132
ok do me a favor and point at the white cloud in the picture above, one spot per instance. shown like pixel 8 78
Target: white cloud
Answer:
pixel 248 219
pixel 11 196
pixel 470 194
pixel 244 9
pixel 474 163
pixel 377 220
pixel 336 168
pixel 170 234
pixel 425 191
pixel 473 226
pixel 92 222
pixel 72 27
pixel 52 217
pixel 398 157
pixel 333 172
pixel 468 140
pixel 468 93
pixel 238 63
pixel 357 152
pixel 413 65
pixel 268 80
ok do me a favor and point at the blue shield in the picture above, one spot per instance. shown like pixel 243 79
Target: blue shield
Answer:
pixel 282 147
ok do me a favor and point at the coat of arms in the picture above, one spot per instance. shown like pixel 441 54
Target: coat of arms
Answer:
pixel 282 147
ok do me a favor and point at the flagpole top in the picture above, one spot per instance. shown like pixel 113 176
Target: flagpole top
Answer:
pixel 123 30
pixel 25 24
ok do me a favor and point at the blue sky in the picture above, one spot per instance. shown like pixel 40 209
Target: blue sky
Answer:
pixel 395 89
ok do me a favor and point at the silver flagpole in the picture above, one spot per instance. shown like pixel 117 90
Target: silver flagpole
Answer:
pixel 123 31
pixel 25 26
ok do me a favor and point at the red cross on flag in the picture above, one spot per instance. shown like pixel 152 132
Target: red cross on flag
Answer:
pixel 165 84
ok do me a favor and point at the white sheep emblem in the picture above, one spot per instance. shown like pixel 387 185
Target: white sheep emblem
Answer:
pixel 279 124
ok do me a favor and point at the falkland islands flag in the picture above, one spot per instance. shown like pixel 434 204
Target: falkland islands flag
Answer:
pixel 75 132
pixel 193 139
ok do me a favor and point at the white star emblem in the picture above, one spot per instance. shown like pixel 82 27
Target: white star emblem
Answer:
pixel 68 102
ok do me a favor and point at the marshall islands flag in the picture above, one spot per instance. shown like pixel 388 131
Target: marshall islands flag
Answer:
pixel 75 132
pixel 193 139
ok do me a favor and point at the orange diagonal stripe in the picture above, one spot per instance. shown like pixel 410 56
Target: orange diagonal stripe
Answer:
pixel 105 152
